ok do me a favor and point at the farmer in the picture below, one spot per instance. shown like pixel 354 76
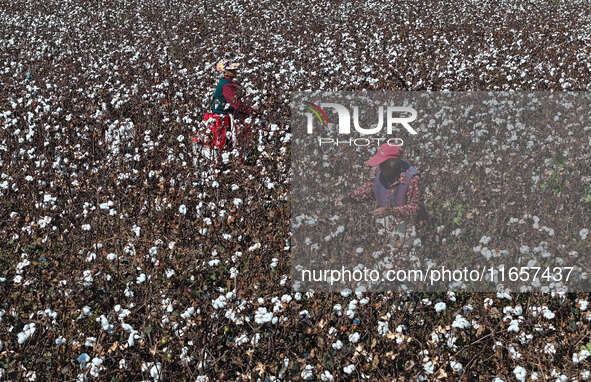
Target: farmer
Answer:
pixel 395 186
pixel 225 102
pixel 227 91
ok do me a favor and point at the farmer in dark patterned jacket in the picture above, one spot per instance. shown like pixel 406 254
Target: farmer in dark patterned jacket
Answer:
pixel 394 185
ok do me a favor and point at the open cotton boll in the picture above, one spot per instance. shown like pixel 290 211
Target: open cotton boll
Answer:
pixel 460 322
pixel 520 373
pixel 354 338
pixel 262 316
pixel 26 333
pixel 440 307
pixel 105 324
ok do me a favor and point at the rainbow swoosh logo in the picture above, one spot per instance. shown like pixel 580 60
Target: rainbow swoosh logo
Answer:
pixel 317 111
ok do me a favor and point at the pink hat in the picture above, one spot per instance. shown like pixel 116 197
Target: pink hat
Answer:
pixel 385 152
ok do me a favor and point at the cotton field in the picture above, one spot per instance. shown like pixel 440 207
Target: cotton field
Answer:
pixel 127 255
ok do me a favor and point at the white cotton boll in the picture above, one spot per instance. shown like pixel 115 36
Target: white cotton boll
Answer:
pixel 583 233
pixel 85 227
pixel 95 367
pixel 520 373
pixel 242 339
pixel 140 279
pixel 105 324
pixel 338 345
pixel 155 371
pixel 484 240
pixel 581 356
pixel 169 273
pixel 128 292
pixel 504 295
pixel 111 256
pixel 513 353
pixel 135 229
pixel 460 322
pixel 219 302
pixel 213 262
pixel 513 326
pixel 188 313
pixel 549 349
pixel 132 337
pixel 27 332
pixel 126 327
pixel 440 307
pixel 274 262
pixel 183 209
pixel 547 313
pixel 349 369
pixel 238 202
pixel 429 367
pixel 383 328
pixel 354 338
pixel 83 359
pixel 254 247
pixel 326 376
pixel 307 373
pixel 456 366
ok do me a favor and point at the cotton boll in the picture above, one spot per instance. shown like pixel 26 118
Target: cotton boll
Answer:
pixel 308 373
pixel 460 322
pixel 440 307
pixel 82 359
pixel 26 333
pixel 338 345
pixel 349 369
pixel 520 373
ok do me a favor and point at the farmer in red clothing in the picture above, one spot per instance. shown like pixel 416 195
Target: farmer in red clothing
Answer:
pixel 226 93
pixel 225 102
pixel 395 186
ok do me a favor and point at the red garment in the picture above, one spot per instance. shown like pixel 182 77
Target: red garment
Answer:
pixel 216 136
pixel 229 91
pixel 413 195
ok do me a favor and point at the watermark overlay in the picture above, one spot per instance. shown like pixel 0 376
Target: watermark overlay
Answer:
pixel 483 191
